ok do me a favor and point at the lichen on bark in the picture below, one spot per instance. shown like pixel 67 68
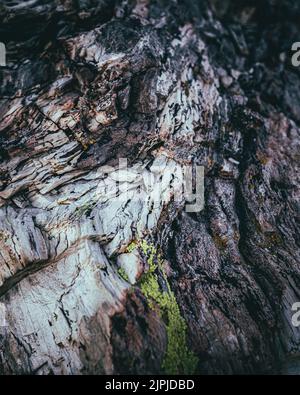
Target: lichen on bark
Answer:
pixel 178 358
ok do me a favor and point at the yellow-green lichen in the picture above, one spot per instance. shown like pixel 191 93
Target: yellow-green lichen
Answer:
pixel 123 274
pixel 131 246
pixel 178 358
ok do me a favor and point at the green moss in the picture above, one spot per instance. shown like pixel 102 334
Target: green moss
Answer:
pixel 132 246
pixel 150 252
pixel 123 274
pixel 178 358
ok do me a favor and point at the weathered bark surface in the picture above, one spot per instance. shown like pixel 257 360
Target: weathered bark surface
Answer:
pixel 161 83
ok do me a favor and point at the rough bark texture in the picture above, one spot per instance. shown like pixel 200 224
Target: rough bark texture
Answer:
pixel 161 83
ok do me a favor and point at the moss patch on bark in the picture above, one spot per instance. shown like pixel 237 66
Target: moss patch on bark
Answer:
pixel 178 358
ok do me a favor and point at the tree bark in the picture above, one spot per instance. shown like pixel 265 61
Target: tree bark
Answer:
pixel 163 84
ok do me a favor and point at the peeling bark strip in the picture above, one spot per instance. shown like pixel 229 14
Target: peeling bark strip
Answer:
pixel 164 84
